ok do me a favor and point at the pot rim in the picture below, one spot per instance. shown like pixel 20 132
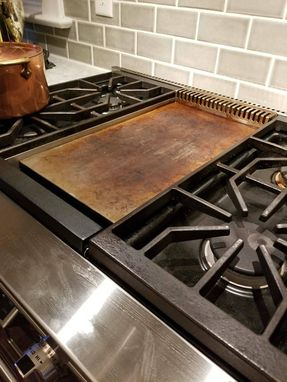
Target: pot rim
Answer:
pixel 38 50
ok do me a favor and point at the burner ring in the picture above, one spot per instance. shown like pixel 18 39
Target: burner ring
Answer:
pixel 242 284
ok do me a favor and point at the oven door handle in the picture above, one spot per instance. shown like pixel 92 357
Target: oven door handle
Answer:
pixel 6 374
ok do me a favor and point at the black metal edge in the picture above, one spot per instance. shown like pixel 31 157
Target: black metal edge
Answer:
pixel 65 196
pixel 72 226
pixel 227 338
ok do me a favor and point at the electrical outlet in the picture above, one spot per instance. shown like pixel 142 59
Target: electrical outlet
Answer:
pixel 104 8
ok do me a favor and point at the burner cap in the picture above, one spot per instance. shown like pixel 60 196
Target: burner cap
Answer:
pixel 280 178
pixel 247 262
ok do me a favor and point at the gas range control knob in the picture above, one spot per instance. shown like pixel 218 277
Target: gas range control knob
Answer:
pixel 40 358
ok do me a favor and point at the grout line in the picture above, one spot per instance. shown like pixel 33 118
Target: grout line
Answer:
pixel 172 50
pixel 176 3
pixel 67 50
pixel 225 6
pixel 104 36
pixel 153 68
pixel 197 26
pixel 237 89
pixel 155 20
pixel 92 54
pixel 89 11
pixel 190 80
pixel 248 33
pixel 136 44
pixel 217 60
pixel 270 72
pixel 77 30
pixel 285 12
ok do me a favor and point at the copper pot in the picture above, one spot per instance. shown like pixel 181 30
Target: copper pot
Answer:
pixel 23 85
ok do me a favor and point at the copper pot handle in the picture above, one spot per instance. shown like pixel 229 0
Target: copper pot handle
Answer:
pixel 26 71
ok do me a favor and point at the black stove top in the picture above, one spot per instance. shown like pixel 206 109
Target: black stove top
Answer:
pixel 80 104
pixel 210 254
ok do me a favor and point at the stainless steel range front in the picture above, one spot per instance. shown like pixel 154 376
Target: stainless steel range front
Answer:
pixel 62 319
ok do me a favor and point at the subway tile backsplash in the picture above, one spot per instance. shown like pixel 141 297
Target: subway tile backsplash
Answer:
pixel 177 22
pixel 154 46
pixel 195 55
pixel 223 29
pixel 120 39
pixel 105 58
pixel 137 16
pixel 214 5
pixel 244 66
pixel 268 8
pixel 234 47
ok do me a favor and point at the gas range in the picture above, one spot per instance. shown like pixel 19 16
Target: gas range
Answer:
pixel 196 267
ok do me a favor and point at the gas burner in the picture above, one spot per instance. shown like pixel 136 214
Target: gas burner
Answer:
pixel 280 178
pixel 245 271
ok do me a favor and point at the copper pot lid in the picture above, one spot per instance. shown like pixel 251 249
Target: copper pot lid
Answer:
pixel 12 51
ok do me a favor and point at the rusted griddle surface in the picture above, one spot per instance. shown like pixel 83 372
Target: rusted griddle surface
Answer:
pixel 117 169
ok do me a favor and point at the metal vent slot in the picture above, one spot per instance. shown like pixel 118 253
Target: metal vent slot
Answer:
pixel 225 106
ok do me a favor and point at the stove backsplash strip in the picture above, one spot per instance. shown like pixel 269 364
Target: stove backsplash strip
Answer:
pixel 229 277
pixel 227 107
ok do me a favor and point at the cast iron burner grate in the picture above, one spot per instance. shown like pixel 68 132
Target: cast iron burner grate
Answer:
pixel 210 253
pixel 80 104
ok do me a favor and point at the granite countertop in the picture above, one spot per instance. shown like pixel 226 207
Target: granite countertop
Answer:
pixel 67 70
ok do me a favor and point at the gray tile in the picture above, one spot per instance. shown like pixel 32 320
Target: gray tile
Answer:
pixel 195 55
pixel 162 2
pixel 214 84
pixel 279 75
pixel 78 9
pixel 273 8
pixel 263 97
pixel 35 37
pixel 69 33
pixel 153 46
pixel 137 64
pixel 28 26
pixel 223 29
pixel 171 73
pixel 90 33
pixel 80 52
pixel 115 20
pixel 57 45
pixel 216 5
pixel 43 29
pixel 120 39
pixel 244 66
pixel 269 36
pixel 106 58
pixel 137 16
pixel 176 22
